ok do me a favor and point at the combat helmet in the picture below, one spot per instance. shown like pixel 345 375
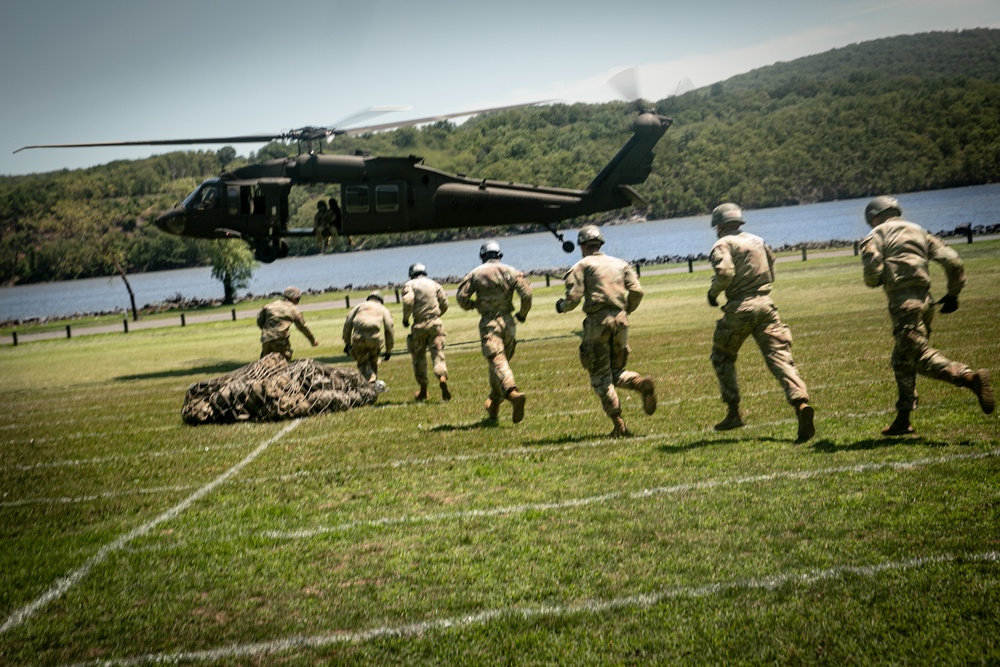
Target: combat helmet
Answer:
pixel 490 250
pixel 880 205
pixel 292 293
pixel 589 234
pixel 417 269
pixel 375 296
pixel 726 213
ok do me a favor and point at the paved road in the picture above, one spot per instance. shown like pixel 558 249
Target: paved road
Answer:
pixel 188 319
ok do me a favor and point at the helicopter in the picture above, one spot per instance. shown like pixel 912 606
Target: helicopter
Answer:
pixel 380 195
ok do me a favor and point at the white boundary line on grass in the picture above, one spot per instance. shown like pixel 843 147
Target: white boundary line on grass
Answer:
pixel 641 601
pixel 73 578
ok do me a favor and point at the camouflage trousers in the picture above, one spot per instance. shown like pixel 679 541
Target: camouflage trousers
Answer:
pixel 757 317
pixel 423 338
pixel 366 349
pixel 280 345
pixel 911 316
pixel 603 353
pixel 497 335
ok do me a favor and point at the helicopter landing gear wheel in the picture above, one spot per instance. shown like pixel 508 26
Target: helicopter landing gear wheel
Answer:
pixel 266 253
pixel 568 246
pixel 282 250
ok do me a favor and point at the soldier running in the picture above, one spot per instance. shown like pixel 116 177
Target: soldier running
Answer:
pixel 275 321
pixel 424 300
pixel 744 270
pixel 367 327
pixel 895 256
pixel 489 289
pixel 609 289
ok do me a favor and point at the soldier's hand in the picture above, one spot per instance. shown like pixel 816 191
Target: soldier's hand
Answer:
pixel 406 323
pixel 386 356
pixel 520 318
pixel 315 343
pixel 712 301
pixel 948 303
pixel 559 305
pixel 347 349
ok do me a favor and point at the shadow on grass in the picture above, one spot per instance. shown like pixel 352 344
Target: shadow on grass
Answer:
pixel 485 422
pixel 828 446
pixel 673 449
pixel 220 368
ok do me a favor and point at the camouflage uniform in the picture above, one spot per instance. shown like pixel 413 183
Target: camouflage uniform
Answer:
pixel 489 289
pixel 275 321
pixel 425 302
pixel 744 270
pixel 609 289
pixel 363 335
pixel 895 256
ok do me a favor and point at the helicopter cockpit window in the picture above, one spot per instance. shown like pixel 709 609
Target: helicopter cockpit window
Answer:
pixel 386 198
pixel 203 199
pixel 233 199
pixel 356 198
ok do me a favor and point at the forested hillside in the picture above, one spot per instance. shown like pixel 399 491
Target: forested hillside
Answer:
pixel 889 116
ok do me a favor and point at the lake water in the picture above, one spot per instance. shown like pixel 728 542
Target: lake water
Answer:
pixel 840 220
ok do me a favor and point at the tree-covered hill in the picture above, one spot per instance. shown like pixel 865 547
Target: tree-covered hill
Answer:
pixel 894 115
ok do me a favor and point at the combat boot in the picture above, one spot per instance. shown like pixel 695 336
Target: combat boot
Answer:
pixel 492 409
pixel 733 418
pixel 900 425
pixel 619 431
pixel 517 399
pixel 805 414
pixel 445 392
pixel 422 394
pixel 648 390
pixel 979 383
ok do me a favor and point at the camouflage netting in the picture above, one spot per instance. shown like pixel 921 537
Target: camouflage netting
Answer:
pixel 272 389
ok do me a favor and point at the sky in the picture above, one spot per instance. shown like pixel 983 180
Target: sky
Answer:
pixel 124 70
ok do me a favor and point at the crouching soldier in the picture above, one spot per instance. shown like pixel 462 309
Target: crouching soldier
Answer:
pixel 367 328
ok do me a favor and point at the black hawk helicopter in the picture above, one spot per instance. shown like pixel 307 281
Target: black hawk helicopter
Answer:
pixel 380 195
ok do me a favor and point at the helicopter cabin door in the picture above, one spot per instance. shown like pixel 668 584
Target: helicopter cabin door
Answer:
pixel 375 207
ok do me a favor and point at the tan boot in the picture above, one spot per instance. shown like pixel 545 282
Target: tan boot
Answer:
pixel 445 392
pixel 619 431
pixel 422 394
pixel 900 425
pixel 733 418
pixel 979 383
pixel 807 429
pixel 517 399
pixel 492 409
pixel 648 389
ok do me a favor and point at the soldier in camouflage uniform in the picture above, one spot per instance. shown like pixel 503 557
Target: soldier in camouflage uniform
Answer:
pixel 425 302
pixel 275 321
pixel 744 270
pixel 489 289
pixel 609 289
pixel 895 256
pixel 367 327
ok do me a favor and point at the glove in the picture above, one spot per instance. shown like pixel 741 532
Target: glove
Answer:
pixel 712 301
pixel 406 324
pixel 520 318
pixel 948 303
pixel 559 305
pixel 386 356
pixel 347 349
pixel 315 343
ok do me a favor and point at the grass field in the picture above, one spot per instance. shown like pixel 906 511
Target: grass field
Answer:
pixel 409 533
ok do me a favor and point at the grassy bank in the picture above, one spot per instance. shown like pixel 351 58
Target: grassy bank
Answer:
pixel 420 534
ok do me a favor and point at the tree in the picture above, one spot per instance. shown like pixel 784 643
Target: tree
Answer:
pixel 233 263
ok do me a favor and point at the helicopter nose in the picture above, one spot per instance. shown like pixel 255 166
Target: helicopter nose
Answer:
pixel 173 221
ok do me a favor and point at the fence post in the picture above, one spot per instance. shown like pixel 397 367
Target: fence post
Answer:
pixel 803 253
pixel 548 282
pixel 125 324
pixel 347 301
pixel 855 248
pixel 690 264
pixel 234 314
pixel 15 339
pixel 183 320
pixel 638 271
pixel 69 334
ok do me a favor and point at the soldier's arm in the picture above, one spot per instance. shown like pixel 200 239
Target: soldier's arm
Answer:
pixel 574 290
pixel 770 262
pixel 261 318
pixel 442 300
pixel 948 258
pixel 635 291
pixel 407 298
pixel 465 293
pixel 390 334
pixel 349 326
pixel 725 270
pixel 872 260
pixel 524 292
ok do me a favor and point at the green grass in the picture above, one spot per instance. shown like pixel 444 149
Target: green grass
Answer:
pixel 410 533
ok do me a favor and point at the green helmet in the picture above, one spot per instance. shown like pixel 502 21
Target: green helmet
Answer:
pixel 375 296
pixel 292 293
pixel 589 234
pixel 417 269
pixel 880 205
pixel 727 213
pixel 490 250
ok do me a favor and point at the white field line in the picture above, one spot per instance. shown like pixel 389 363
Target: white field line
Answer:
pixel 62 585
pixel 621 495
pixel 258 650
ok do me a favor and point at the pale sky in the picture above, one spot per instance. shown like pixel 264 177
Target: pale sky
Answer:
pixel 124 70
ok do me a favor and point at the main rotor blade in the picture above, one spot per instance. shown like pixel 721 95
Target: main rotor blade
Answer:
pixel 245 139
pixel 433 119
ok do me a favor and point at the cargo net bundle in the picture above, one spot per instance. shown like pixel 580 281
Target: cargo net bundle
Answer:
pixel 272 389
